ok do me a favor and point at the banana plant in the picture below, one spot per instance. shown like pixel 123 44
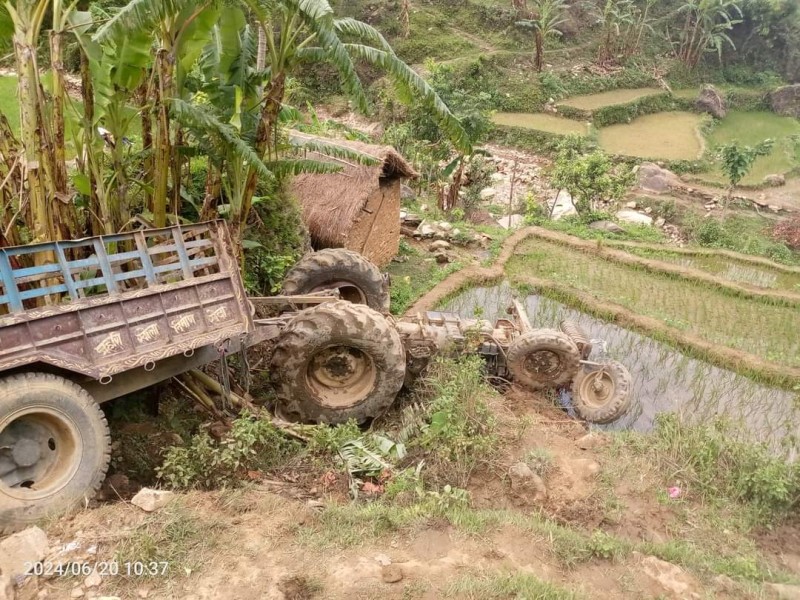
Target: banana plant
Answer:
pixel 42 133
pixel 181 30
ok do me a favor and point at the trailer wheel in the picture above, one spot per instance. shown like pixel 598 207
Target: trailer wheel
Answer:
pixel 357 279
pixel 542 359
pixel 336 362
pixel 604 395
pixel 54 448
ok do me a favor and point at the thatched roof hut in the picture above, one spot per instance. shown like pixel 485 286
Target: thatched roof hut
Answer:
pixel 357 208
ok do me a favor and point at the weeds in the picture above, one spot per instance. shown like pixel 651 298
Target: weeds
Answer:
pixel 540 461
pixel 461 432
pixel 252 444
pixel 507 585
pixel 719 467
pixel 175 538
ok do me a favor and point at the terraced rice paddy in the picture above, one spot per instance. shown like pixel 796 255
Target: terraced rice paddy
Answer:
pixel 751 128
pixel 540 122
pixel 663 380
pixel 612 98
pixel 727 268
pixel 755 327
pixel 665 136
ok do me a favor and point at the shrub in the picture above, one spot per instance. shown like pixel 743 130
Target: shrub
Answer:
pixel 252 444
pixel 719 466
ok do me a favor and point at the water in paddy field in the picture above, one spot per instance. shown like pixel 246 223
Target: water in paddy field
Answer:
pixel 664 380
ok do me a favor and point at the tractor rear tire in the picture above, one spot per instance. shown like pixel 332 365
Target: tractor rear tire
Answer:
pixel 55 448
pixel 602 395
pixel 543 359
pixel 336 362
pixel 358 280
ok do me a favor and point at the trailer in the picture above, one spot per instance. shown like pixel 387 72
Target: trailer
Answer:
pixel 86 321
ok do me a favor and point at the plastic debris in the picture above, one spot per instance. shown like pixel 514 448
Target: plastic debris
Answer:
pixel 674 493
pixel 565 399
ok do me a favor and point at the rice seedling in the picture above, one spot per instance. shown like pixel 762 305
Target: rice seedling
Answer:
pixel 758 328
pixel 734 270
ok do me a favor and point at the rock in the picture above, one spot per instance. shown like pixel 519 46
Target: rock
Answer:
pixel 439 245
pixel 488 194
pixel 711 102
pixel 636 218
pixel 94 580
pixel 564 206
pixel 445 226
pixel 455 233
pixel 648 210
pixel 525 482
pixel 410 219
pixel 498 178
pixel 589 441
pixel 425 230
pixel 608 226
pixel 631 205
pixel 782 591
pixel 776 180
pixel 28 546
pixel 655 179
pixel 786 101
pixel 660 222
pixel 442 258
pixel 150 500
pixel 77 593
pixel 511 221
pixel 676 582
pixel 391 573
pixel 407 193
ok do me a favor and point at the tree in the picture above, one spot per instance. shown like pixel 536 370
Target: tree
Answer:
pixel 589 175
pixel 738 161
pixel 706 27
pixel 616 17
pixel 545 23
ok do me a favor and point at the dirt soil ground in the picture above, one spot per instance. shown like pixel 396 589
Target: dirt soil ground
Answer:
pixel 278 540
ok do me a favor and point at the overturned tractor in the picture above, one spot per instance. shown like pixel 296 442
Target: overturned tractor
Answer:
pixel 150 305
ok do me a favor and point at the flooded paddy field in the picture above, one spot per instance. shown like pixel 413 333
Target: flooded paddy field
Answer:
pixel 767 330
pixel 611 98
pixel 668 135
pixel 540 122
pixel 664 380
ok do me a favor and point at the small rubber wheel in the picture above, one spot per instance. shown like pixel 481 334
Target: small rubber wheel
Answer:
pixel 358 280
pixel 543 359
pixel 603 395
pixel 336 362
pixel 54 448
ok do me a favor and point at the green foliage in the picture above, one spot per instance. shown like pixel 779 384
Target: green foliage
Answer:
pixel 252 444
pixel 274 244
pixel 738 160
pixel 706 28
pixel 739 233
pixel 461 432
pixel 720 467
pixel 545 21
pixel 591 177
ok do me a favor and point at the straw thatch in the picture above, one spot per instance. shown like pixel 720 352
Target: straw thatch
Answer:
pixel 359 207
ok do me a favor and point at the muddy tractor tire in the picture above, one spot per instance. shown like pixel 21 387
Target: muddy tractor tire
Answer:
pixel 336 362
pixel 543 359
pixel 55 448
pixel 358 280
pixel 602 395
